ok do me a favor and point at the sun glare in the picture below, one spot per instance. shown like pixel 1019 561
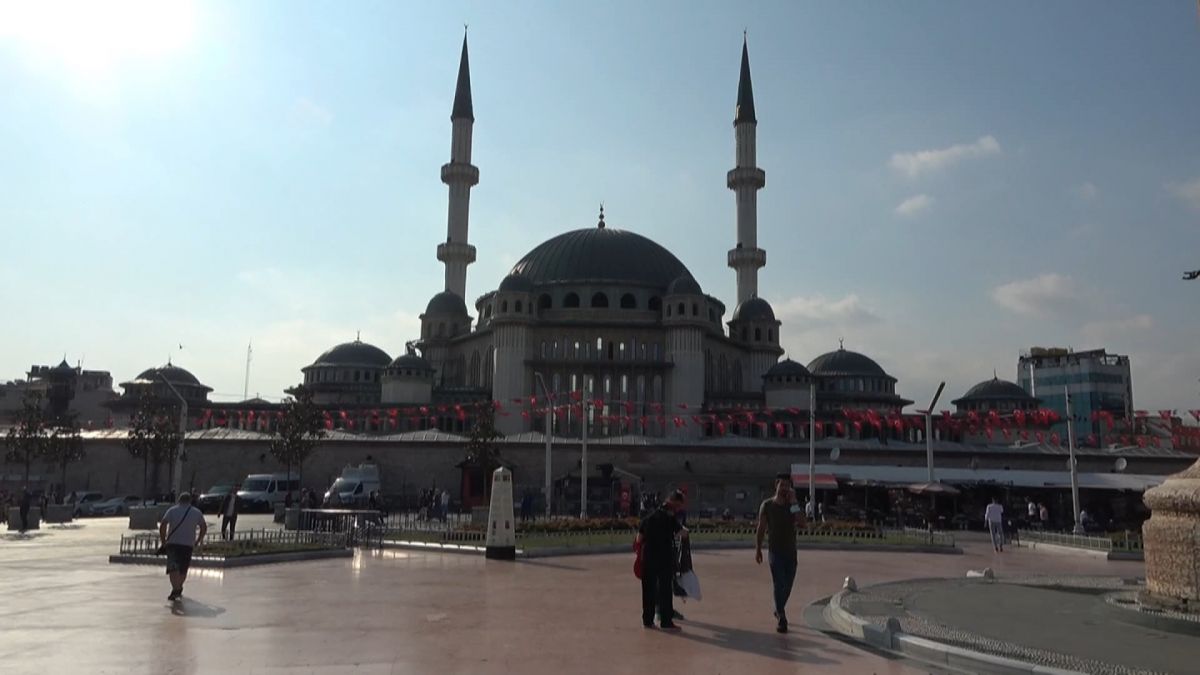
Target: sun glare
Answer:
pixel 95 39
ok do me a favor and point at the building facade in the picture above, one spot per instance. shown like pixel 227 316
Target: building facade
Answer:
pixel 1097 382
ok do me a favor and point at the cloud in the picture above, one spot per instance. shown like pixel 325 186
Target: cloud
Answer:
pixel 1038 296
pixel 1188 192
pixel 848 310
pixel 913 164
pixel 914 205
pixel 309 113
pixel 1106 331
pixel 1087 191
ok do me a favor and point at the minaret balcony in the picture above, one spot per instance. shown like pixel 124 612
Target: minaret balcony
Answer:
pixel 742 176
pixel 452 250
pixel 457 172
pixel 747 257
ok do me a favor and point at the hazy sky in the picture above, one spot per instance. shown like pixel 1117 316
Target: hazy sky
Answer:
pixel 947 183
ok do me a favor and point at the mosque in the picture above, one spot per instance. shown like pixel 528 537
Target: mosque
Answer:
pixel 603 311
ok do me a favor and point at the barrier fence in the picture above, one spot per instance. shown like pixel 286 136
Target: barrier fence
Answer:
pixel 146 543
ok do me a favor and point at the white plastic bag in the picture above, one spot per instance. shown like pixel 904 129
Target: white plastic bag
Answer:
pixel 689 582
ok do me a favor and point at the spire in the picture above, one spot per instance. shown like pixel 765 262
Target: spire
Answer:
pixel 745 100
pixel 601 223
pixel 462 91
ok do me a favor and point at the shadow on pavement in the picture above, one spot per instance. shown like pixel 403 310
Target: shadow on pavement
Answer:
pixel 783 647
pixel 557 566
pixel 187 607
pixel 23 536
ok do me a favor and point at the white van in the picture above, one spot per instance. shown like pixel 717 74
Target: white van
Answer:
pixel 354 486
pixel 261 491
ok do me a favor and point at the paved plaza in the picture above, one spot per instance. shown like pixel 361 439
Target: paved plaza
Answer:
pixel 66 609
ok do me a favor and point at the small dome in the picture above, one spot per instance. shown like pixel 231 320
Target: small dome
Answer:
pixel 996 389
pixel 446 303
pixel 843 362
pixel 357 353
pixel 173 374
pixel 684 284
pixel 754 309
pixel 515 283
pixel 411 361
pixel 788 368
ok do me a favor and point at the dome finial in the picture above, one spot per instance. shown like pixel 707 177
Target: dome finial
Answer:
pixel 601 223
pixel 358 336
pixel 994 375
pixel 841 344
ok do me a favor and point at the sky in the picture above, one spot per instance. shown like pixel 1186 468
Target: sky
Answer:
pixel 947 183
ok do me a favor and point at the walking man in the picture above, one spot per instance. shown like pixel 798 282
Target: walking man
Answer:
pixel 777 520
pixel 1031 511
pixel 656 536
pixel 177 533
pixel 229 513
pixel 994 515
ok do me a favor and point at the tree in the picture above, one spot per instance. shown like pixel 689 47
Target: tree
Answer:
pixel 26 440
pixel 65 445
pixel 154 434
pixel 297 432
pixel 481 443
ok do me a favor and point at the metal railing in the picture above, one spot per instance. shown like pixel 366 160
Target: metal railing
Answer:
pixel 146 543
pixel 1082 541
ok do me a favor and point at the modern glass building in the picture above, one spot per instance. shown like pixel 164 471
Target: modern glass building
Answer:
pixel 1096 381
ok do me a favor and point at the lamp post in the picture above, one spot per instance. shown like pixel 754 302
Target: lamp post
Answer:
pixel 549 434
pixel 1071 462
pixel 583 488
pixel 177 468
pixel 929 431
pixel 812 445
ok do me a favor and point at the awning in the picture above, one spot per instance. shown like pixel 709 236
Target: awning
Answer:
pixel 823 481
pixel 899 476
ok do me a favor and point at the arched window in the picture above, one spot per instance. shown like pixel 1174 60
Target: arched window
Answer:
pixel 441 332
pixel 655 304
pixel 758 335
pixel 681 310
pixel 770 335
pixel 599 346
pixel 519 308
pixel 571 300
pixel 544 302
pixel 504 307
pixel 473 376
pixel 610 350
pixel 623 351
pixel 695 309
pixel 487 312
pixel 628 301
pixel 599 300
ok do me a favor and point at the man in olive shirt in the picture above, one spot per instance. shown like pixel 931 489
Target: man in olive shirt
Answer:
pixel 777 519
pixel 656 534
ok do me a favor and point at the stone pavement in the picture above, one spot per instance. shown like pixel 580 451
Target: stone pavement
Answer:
pixel 64 608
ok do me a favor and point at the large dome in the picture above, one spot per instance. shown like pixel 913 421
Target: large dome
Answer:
pixel 173 374
pixel 843 362
pixel 996 389
pixel 355 353
pixel 600 255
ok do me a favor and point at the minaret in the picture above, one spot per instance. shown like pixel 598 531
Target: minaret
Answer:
pixel 460 175
pixel 746 180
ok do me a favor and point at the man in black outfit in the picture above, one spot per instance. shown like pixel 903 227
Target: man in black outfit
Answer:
pixel 657 537
pixel 25 504
pixel 230 506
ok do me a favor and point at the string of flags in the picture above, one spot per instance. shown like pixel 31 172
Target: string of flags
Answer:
pixel 629 416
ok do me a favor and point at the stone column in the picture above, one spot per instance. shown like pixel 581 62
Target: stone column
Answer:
pixel 1172 542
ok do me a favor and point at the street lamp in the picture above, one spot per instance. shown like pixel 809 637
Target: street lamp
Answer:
pixel 583 512
pixel 1071 462
pixel 549 429
pixel 929 431
pixel 812 446
pixel 177 470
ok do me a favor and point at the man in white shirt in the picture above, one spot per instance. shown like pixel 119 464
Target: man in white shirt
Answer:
pixel 994 515
pixel 1032 513
pixel 177 532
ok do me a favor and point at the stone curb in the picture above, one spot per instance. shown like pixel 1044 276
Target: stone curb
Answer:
pixel 1059 548
pixel 240 561
pixel 890 637
pixel 562 551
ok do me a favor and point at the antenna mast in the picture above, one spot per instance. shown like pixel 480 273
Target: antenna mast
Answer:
pixel 246 386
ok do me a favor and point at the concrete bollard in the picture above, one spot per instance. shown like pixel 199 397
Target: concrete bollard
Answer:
pixel 501 534
pixel 146 517
pixel 850 585
pixel 14 518
pixel 60 513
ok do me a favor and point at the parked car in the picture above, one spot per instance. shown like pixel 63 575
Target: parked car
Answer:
pixel 117 506
pixel 83 501
pixel 261 491
pixel 210 502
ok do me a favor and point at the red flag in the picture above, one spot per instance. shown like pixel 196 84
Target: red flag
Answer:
pixel 1166 414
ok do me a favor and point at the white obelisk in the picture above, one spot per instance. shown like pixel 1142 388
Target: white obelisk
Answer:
pixel 501 534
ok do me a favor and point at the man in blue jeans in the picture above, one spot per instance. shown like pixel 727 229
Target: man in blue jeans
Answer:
pixel 777 520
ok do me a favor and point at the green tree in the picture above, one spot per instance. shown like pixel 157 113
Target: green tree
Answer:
pixel 27 439
pixel 154 435
pixel 297 433
pixel 481 443
pixel 65 445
